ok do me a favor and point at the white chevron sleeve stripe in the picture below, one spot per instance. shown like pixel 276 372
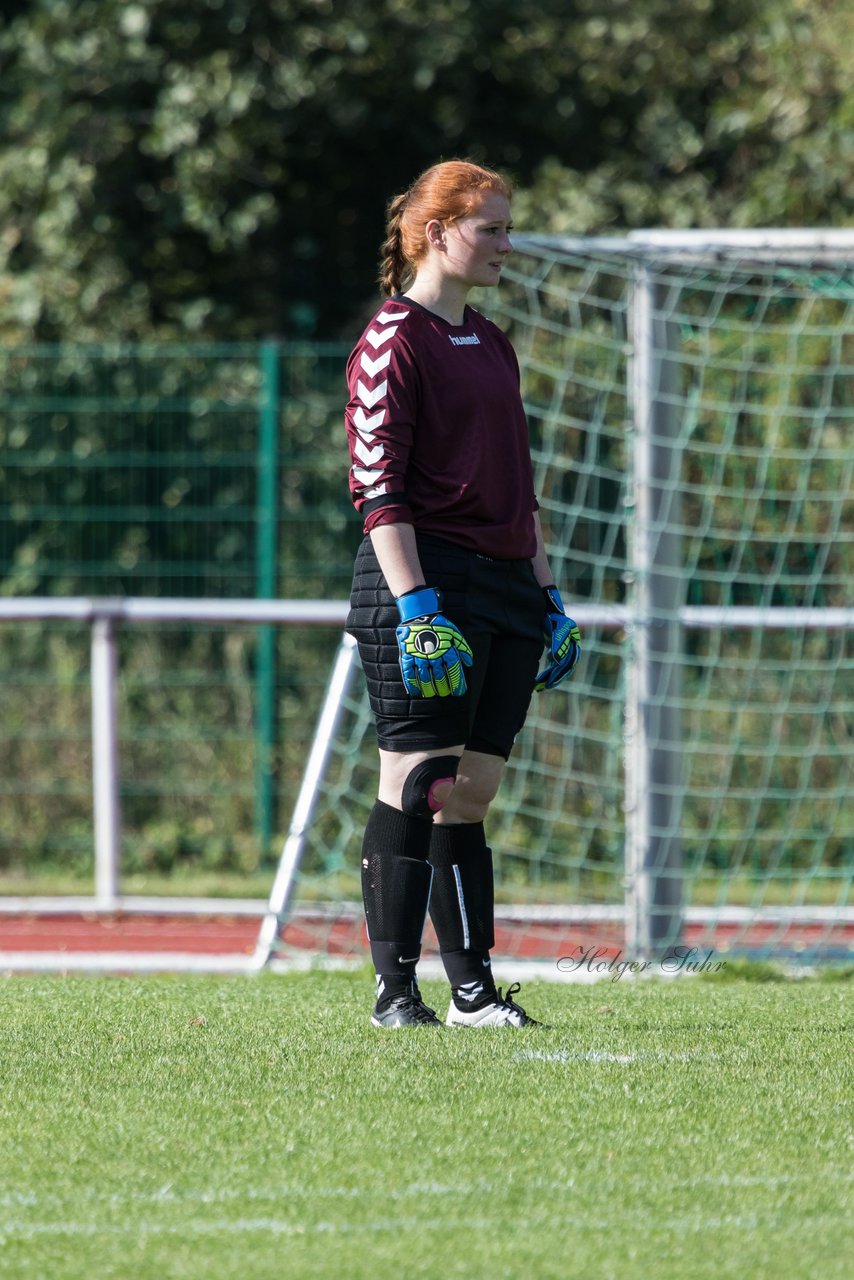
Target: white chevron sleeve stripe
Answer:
pixel 373 367
pixel 367 426
pixel 371 397
pixel 370 457
pixel 367 469
pixel 367 477
pixel 377 337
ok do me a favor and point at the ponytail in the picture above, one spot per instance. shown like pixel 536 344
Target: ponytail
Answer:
pixel 393 265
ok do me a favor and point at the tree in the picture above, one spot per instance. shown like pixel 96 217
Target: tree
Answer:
pixel 751 124
pixel 220 169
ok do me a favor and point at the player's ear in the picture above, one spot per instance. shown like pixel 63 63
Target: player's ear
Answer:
pixel 435 233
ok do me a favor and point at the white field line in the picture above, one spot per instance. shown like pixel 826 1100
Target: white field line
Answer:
pixel 127 962
pixel 601 1055
pixel 169 1195
pixel 505 969
pixel 120 962
pixel 217 1226
pixel 186 962
pixel 780 1219
pixel 18 1229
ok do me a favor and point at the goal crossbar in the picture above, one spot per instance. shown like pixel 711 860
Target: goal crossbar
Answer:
pixel 783 244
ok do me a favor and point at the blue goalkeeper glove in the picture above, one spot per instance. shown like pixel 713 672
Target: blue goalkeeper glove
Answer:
pixel 432 650
pixel 563 641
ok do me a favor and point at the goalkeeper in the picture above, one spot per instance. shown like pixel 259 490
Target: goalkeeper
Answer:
pixel 452 592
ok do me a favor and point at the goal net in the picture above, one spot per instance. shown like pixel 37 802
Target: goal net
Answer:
pixel 691 407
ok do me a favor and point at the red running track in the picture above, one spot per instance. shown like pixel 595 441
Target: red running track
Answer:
pixel 307 933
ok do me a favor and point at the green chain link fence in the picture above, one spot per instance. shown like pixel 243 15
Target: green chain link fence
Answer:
pixel 181 471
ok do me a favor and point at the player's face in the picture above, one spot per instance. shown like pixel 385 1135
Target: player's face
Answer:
pixel 477 246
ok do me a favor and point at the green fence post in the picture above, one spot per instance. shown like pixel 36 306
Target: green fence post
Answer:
pixel 266 680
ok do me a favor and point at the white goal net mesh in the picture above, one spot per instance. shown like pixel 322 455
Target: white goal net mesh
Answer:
pixel 749 360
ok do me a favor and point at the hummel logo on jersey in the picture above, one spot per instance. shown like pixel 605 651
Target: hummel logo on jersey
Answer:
pixel 469 340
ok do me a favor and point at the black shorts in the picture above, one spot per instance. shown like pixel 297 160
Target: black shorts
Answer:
pixel 498 607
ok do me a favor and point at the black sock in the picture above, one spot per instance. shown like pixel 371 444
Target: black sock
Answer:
pixel 462 910
pixel 395 972
pixel 470 975
pixel 396 879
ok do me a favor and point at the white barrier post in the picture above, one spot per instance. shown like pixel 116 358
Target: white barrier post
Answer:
pixel 105 762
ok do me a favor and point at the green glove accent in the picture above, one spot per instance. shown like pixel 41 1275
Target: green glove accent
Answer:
pixel 433 651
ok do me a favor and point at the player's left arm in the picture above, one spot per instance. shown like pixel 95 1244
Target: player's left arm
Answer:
pixel 561 634
pixel 540 561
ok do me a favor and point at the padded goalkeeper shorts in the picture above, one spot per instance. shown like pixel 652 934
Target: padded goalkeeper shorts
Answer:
pixel 498 607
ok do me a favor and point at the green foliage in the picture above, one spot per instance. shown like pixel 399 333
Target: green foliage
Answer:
pixel 738 117
pixel 196 167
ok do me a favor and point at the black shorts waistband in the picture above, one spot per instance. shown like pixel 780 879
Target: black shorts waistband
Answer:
pixel 445 544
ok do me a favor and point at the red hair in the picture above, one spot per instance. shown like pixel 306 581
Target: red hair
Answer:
pixel 447 191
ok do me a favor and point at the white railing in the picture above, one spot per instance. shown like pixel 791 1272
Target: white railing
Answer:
pixel 106 615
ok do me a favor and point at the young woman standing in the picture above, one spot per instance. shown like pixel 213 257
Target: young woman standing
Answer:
pixel 452 591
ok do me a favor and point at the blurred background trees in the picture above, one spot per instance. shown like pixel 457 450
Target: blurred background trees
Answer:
pixel 219 168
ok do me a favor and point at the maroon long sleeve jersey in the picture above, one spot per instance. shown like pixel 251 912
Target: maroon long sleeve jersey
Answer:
pixel 438 436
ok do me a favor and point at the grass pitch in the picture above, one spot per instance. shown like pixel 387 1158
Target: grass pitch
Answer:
pixel 186 1128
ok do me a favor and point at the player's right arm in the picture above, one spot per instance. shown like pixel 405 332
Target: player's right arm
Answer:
pixel 397 553
pixel 432 649
pixel 384 387
pixel 382 411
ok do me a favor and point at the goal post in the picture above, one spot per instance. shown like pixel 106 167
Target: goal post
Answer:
pixel 692 416
pixel 653 763
pixel 654 757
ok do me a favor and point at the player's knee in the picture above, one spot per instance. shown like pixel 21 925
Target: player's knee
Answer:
pixel 471 799
pixel 427 787
pixel 466 808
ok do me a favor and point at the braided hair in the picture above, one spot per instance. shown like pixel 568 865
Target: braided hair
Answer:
pixel 447 191
pixel 394 268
